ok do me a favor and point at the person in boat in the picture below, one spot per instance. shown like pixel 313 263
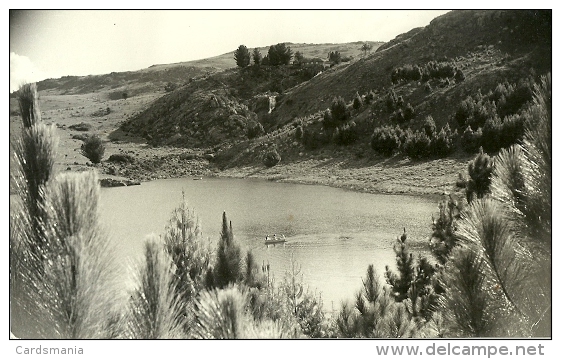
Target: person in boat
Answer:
pixel 267 238
pixel 275 236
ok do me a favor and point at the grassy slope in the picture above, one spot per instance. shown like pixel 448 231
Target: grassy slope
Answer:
pixel 220 108
pixel 482 42
pixel 72 100
pixel 489 47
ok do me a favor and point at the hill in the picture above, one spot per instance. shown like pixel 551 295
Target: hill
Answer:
pixel 156 77
pixel 489 47
pixel 431 96
pixel 228 106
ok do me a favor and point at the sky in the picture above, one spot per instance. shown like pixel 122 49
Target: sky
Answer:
pixel 55 43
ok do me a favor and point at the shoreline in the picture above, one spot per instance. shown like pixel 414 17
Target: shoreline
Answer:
pixel 373 179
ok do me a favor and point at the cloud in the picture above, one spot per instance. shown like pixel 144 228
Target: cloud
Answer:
pixel 22 71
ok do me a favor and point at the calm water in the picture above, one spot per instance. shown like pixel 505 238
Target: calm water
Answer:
pixel 333 234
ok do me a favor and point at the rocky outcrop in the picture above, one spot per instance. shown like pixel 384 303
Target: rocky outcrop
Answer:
pixel 112 182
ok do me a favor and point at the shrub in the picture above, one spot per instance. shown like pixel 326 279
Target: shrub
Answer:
pixel 408 112
pixel 471 141
pixel 314 139
pixel 491 139
pixel 255 129
pixel 461 182
pixel 300 303
pixel 272 158
pixel 385 140
pixel 391 100
pixel 121 158
pixel 512 130
pixel 429 126
pixel 170 86
pixel 401 282
pixel 474 113
pixel 346 134
pixel 328 122
pixel 357 102
pixel 339 110
pixel 99 113
pixel 443 143
pixel 499 134
pixel 406 73
pixel 459 76
pixel 369 98
pixel 398 116
pixel 375 313
pixel 299 133
pixel 464 111
pixel 417 145
pixel 93 149
pixel 510 98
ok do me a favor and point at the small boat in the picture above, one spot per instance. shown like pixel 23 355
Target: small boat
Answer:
pixel 274 240
pixel 197 178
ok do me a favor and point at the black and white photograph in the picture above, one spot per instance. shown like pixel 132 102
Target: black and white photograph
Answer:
pixel 281 174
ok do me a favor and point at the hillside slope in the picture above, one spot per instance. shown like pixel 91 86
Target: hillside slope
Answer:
pixel 489 47
pixel 519 40
pixel 156 77
pixel 228 106
pixel 470 72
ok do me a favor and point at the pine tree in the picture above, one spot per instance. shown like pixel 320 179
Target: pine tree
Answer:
pixel 222 314
pixel 35 154
pixel 366 47
pixel 279 54
pixel 375 313
pixel 191 258
pixel 444 238
pixel 510 232
pixel 335 57
pixel 357 102
pixel 298 57
pixel 257 57
pixel 61 263
pixel 468 308
pixel 401 282
pixel 155 311
pixel 479 170
pixel 242 56
pixel 228 268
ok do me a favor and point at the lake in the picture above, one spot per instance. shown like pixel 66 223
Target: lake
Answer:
pixel 332 234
